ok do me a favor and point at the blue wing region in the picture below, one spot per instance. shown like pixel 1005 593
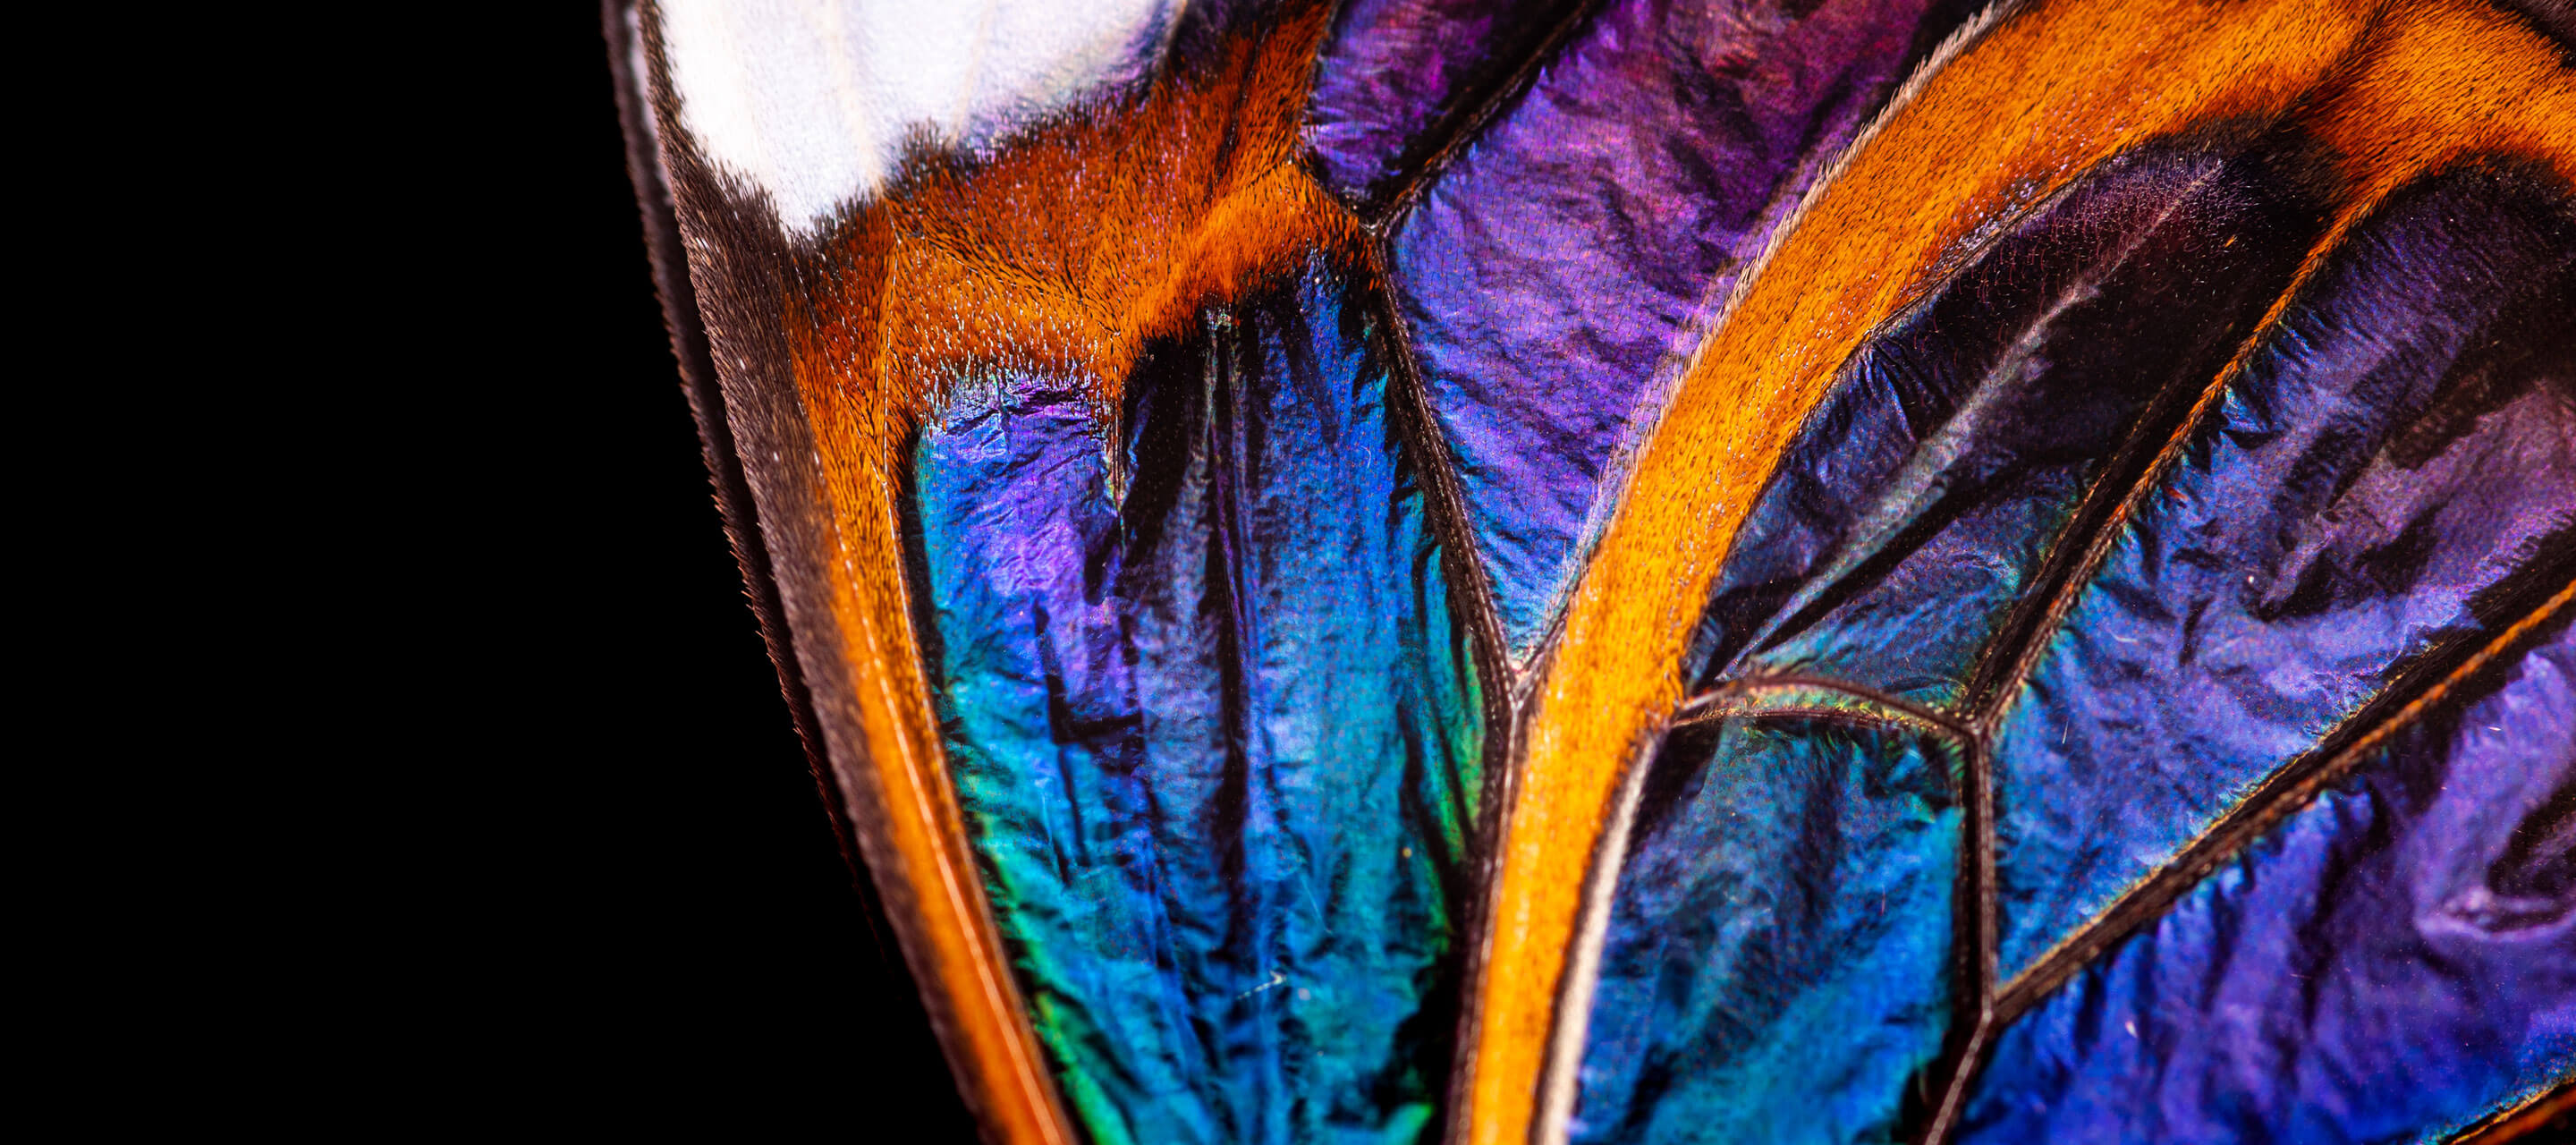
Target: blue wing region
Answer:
pixel 2396 451
pixel 1564 261
pixel 1393 74
pixel 2390 472
pixel 1214 735
pixel 1961 450
pixel 2392 963
pixel 1788 879
pixel 1776 966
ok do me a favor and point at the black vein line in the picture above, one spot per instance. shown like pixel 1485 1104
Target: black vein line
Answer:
pixel 1973 941
pixel 1742 697
pixel 2534 1112
pixel 1470 591
pixel 1777 697
pixel 1428 449
pixel 2030 627
pixel 1471 605
pixel 2163 427
pixel 1961 1059
pixel 2290 789
pixel 1972 1021
pixel 2078 550
pixel 1464 124
pixel 2422 685
pixel 2073 560
pixel 1996 682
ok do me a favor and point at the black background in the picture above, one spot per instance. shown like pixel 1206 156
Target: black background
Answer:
pixel 400 747
pixel 626 906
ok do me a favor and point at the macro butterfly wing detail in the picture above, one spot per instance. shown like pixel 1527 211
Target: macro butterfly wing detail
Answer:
pixel 1625 571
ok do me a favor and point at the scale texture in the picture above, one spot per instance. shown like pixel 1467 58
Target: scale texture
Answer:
pixel 1666 571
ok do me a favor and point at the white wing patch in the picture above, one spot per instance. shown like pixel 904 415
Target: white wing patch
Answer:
pixel 812 100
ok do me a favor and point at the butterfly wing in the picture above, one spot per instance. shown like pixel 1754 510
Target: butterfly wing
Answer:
pixel 1626 571
pixel 2082 499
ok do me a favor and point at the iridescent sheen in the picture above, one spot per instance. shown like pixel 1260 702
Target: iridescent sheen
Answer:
pixel 1213 732
pixel 1394 73
pixel 2392 471
pixel 1563 262
pixel 2395 452
pixel 1949 463
pixel 1778 948
pixel 2149 484
pixel 2390 964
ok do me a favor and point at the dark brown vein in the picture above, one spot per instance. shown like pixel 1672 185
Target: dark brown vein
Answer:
pixel 1410 410
pixel 1464 124
pixel 2288 790
pixel 1471 604
pixel 1763 695
pixel 2548 1107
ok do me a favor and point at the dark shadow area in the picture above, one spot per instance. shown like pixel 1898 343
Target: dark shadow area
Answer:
pixel 640 915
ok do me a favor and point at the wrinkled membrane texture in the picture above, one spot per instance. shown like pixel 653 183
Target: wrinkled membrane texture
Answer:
pixel 1393 73
pixel 2392 963
pixel 2401 448
pixel 1563 263
pixel 1949 459
pixel 1216 741
pixel 1776 966
pixel 2403 451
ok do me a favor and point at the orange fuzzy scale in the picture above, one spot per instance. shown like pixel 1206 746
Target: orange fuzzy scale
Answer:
pixel 1061 255
pixel 2046 94
pixel 1084 238
pixel 2446 81
pixel 2393 92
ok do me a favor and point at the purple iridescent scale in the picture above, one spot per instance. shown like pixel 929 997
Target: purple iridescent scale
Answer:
pixel 2093 530
pixel 1555 274
pixel 2389 478
pixel 2388 965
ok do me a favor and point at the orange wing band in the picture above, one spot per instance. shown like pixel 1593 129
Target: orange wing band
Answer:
pixel 2041 97
pixel 1062 255
pixel 2394 93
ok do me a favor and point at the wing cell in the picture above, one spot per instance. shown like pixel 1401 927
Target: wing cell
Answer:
pixel 2377 968
pixel 1215 737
